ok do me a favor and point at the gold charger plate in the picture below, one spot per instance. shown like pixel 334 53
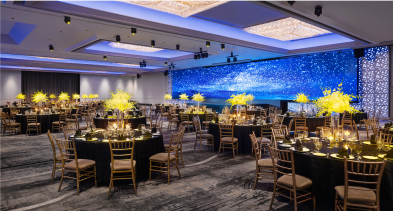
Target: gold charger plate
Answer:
pixel 285 145
pixel 336 156
pixel 369 157
pixel 281 142
pixel 382 156
pixel 93 139
pixel 368 143
pixel 306 139
pixel 319 154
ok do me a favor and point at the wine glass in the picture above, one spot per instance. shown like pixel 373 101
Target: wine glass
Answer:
pixel 380 144
pixel 358 149
pixel 318 145
pixel 350 145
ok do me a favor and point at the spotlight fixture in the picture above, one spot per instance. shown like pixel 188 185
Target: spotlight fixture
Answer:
pixel 201 54
pixel 133 31
pixel 171 66
pixel 195 57
pixel 118 38
pixel 166 73
pixel 232 56
pixel 104 57
pixel 177 47
pixel 166 63
pixel 67 19
pixel 138 76
pixel 207 43
pixel 222 46
pixel 51 48
pixel 318 10
pixel 291 3
pixel 142 64
pixel 153 43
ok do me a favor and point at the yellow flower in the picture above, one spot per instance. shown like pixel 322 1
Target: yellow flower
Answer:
pixel 52 96
pixel 167 96
pixel 76 96
pixel 91 96
pixel 95 95
pixel 39 96
pixel 198 97
pixel 301 98
pixel 119 100
pixel 21 96
pixel 335 101
pixel 85 96
pixel 184 96
pixel 240 99
pixel 64 96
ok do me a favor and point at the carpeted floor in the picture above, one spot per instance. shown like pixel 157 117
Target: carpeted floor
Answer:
pixel 207 182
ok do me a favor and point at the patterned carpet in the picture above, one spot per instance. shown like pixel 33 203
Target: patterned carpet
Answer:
pixel 207 182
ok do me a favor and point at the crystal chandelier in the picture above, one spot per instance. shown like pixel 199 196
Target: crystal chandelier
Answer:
pixel 180 8
pixel 134 47
pixel 286 29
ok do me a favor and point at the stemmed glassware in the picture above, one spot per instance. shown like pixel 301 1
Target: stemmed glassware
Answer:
pixel 351 145
pixel 318 145
pixel 358 149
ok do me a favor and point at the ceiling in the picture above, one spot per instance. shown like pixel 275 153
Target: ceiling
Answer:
pixel 28 28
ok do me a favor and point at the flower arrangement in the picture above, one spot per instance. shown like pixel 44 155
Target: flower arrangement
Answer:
pixel 240 99
pixel 167 96
pixel 119 100
pixel 76 96
pixel 85 96
pixel 39 97
pixel 52 96
pixel 91 96
pixel 95 96
pixel 302 98
pixel 64 96
pixel 183 96
pixel 198 97
pixel 21 96
pixel 334 101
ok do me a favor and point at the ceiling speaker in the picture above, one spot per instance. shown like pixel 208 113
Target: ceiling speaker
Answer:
pixel 358 53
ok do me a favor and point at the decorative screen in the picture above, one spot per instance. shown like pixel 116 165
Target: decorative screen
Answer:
pixel 271 79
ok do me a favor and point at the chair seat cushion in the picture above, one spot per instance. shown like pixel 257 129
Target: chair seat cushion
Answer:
pixel 265 163
pixel 164 114
pixel 228 139
pixel 364 196
pixel 301 128
pixel 58 122
pixel 323 127
pixel 263 140
pixel 301 182
pixel 82 164
pixel 174 119
pixel 58 157
pixel 186 122
pixel 166 147
pixel 163 157
pixel 121 165
pixel 13 124
pixel 71 120
pixel 206 136
pixel 204 131
pixel 34 124
pixel 206 122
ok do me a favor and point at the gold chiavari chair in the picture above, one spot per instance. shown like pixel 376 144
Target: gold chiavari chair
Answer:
pixel 359 197
pixel 69 129
pixel 328 121
pixel 203 138
pixel 300 124
pixel 60 123
pixel 266 135
pixel 357 133
pixel 264 169
pixel 374 126
pixel 386 138
pixel 271 110
pixel 89 123
pixel 243 111
pixel 278 112
pixel 227 141
pixel 168 160
pixel 179 154
pixel 172 120
pixel 290 127
pixel 13 112
pixel 56 157
pixel 32 124
pixel 70 119
pixel 185 120
pixel 122 161
pixel 284 164
pixel 367 126
pixel 158 123
pixel 8 124
pixel 277 135
pixel 208 118
pixel 74 166
pixel 347 120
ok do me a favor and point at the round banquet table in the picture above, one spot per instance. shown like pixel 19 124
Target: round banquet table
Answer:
pixel 103 122
pixel 241 132
pixel 21 109
pixel 326 173
pixel 45 120
pixel 101 154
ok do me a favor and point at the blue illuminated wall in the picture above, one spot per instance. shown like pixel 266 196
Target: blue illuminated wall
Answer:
pixel 271 79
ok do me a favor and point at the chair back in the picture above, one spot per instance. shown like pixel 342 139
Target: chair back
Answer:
pixel 197 125
pixel 328 121
pixel 68 151
pixel 175 142
pixel 279 121
pixel 62 116
pixel 356 129
pixel 283 163
pixel 158 123
pixel 363 173
pixel 122 151
pixel 52 144
pixel 31 119
pixel 89 121
pixel 184 117
pixel 243 111
pixel 68 130
pixel 249 117
pixel 300 121
pixel 68 113
pixel 255 147
pixel 278 112
pixel 264 112
pixel 266 130
pixel 209 117
pixel 386 138
pixel 226 130
pixel 278 133
pixel 290 126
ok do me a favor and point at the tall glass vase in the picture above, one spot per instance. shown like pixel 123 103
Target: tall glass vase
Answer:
pixel 238 112
pixel 198 107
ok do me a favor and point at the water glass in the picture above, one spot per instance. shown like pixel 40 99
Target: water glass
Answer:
pixel 318 145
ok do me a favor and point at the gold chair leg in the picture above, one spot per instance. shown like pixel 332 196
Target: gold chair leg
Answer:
pixel 169 175
pixel 178 171
pixel 315 204
pixel 273 196
pixel 233 149
pixel 95 176
pixel 150 172
pixel 53 170
pixel 256 178
pixel 61 181
pixel 133 179
pixel 77 183
pixel 110 185
pixel 295 199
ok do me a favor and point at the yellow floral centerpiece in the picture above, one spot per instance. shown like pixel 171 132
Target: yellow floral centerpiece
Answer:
pixel 95 96
pixel 39 97
pixel 85 96
pixel 21 96
pixel 167 97
pixel 76 96
pixel 335 101
pixel 240 99
pixel 119 101
pixel 64 96
pixel 91 96
pixel 198 97
pixel 183 96
pixel 52 96
pixel 302 98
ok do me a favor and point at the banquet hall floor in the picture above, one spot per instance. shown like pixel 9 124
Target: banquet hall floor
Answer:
pixel 207 182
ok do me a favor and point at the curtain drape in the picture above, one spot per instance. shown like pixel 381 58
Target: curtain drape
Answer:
pixel 49 83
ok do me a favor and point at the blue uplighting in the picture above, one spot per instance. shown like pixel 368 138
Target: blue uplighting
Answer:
pixel 271 79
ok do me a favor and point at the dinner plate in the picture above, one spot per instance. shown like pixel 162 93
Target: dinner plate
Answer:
pixel 369 157
pixel 319 154
pixel 105 140
pixel 93 139
pixel 138 139
pixel 336 156
pixel 292 142
pixel 304 150
pixel 285 145
pixel 157 134
pixel 383 156
pixel 306 139
pixel 368 143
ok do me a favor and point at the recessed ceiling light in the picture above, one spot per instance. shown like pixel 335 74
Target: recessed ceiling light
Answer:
pixel 286 29
pixel 134 47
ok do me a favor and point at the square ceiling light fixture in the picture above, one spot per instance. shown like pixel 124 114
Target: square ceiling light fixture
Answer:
pixel 180 8
pixel 286 29
pixel 134 47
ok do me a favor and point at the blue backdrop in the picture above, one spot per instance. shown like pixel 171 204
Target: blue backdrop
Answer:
pixel 271 79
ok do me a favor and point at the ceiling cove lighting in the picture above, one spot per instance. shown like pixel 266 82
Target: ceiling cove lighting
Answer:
pixel 180 8
pixel 286 29
pixel 67 19
pixel 134 47
pixel 133 31
pixel 51 48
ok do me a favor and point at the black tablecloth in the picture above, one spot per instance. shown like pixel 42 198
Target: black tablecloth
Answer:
pixel 45 120
pixel 103 123
pixel 242 133
pixel 100 153
pixel 21 109
pixel 326 173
